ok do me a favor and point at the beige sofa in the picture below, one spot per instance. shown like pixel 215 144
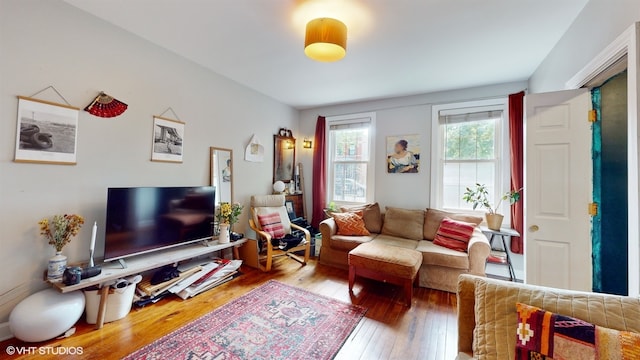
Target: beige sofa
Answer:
pixel 412 229
pixel 487 317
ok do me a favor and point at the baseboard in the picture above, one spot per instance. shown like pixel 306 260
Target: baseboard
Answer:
pixel 498 277
pixel 5 332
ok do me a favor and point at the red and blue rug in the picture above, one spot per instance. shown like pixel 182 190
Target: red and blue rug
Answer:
pixel 273 321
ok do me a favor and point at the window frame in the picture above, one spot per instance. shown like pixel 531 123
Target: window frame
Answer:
pixel 329 168
pixel 503 152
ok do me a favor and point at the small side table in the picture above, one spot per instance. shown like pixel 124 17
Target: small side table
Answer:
pixel 502 233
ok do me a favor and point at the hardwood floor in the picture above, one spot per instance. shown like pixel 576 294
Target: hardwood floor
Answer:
pixel 390 330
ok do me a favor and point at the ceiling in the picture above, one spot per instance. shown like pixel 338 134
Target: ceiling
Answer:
pixel 395 47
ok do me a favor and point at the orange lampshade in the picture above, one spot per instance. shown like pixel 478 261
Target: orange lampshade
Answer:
pixel 326 40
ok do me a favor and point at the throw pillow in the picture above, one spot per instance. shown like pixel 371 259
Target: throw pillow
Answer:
pixel 407 224
pixel 272 225
pixel 351 224
pixel 371 215
pixel 454 234
pixel 544 335
pixel 434 217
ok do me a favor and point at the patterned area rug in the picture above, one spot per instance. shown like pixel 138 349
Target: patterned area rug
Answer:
pixel 273 321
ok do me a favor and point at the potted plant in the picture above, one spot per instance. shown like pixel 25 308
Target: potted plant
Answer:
pixel 330 209
pixel 59 232
pixel 479 197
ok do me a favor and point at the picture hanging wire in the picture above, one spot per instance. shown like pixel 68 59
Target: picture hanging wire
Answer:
pixel 173 112
pixel 54 89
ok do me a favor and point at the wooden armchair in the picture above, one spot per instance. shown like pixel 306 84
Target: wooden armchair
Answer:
pixel 269 204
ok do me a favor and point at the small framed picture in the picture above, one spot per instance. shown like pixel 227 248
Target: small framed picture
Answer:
pixel 168 140
pixel 290 209
pixel 47 132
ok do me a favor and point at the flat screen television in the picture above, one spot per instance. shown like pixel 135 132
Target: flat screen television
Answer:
pixel 145 219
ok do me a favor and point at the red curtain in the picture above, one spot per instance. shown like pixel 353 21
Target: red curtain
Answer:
pixel 319 191
pixel 516 140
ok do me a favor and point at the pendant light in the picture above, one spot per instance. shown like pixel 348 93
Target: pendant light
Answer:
pixel 326 40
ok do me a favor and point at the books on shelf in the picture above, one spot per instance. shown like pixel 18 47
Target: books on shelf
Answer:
pixel 497 256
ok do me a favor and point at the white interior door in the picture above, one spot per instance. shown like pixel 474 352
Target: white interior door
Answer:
pixel 558 190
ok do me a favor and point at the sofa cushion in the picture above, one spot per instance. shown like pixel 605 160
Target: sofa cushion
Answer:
pixel 433 254
pixel 497 320
pixel 454 235
pixel 537 333
pixel 395 241
pixel 543 334
pixel 433 218
pixel 348 243
pixel 371 214
pixel 404 223
pixel 350 224
pixel 613 344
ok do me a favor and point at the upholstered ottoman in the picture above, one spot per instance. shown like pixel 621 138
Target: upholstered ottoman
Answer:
pixel 385 263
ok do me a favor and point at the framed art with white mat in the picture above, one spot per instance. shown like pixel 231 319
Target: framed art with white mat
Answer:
pixel 47 132
pixel 168 140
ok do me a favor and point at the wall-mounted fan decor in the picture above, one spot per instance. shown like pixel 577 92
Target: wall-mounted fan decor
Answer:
pixel 106 106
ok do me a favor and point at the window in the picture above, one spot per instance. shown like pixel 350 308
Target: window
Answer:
pixel 470 146
pixel 349 158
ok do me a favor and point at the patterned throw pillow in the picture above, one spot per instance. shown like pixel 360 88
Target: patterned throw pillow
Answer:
pixel 547 336
pixel 454 234
pixel 272 225
pixel 351 224
pixel 371 215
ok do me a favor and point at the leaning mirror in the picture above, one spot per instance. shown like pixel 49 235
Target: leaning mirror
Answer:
pixel 222 173
pixel 284 158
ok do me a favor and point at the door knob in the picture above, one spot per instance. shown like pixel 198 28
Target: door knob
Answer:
pixel 534 228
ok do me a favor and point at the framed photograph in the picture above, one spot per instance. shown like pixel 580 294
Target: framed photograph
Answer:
pixel 47 132
pixel 168 138
pixel 290 209
pixel 403 154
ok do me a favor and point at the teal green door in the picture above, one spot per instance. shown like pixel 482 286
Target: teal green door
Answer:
pixel 610 226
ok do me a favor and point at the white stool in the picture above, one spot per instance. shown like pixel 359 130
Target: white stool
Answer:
pixel 46 315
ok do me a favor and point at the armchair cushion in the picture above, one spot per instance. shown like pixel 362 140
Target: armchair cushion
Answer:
pixel 454 235
pixel 269 204
pixel 271 224
pixel 351 224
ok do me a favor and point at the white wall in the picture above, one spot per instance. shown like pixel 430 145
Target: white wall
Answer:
pixel 47 42
pixel 398 116
pixel 599 23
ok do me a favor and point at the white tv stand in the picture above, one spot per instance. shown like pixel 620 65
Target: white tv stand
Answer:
pixel 113 271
